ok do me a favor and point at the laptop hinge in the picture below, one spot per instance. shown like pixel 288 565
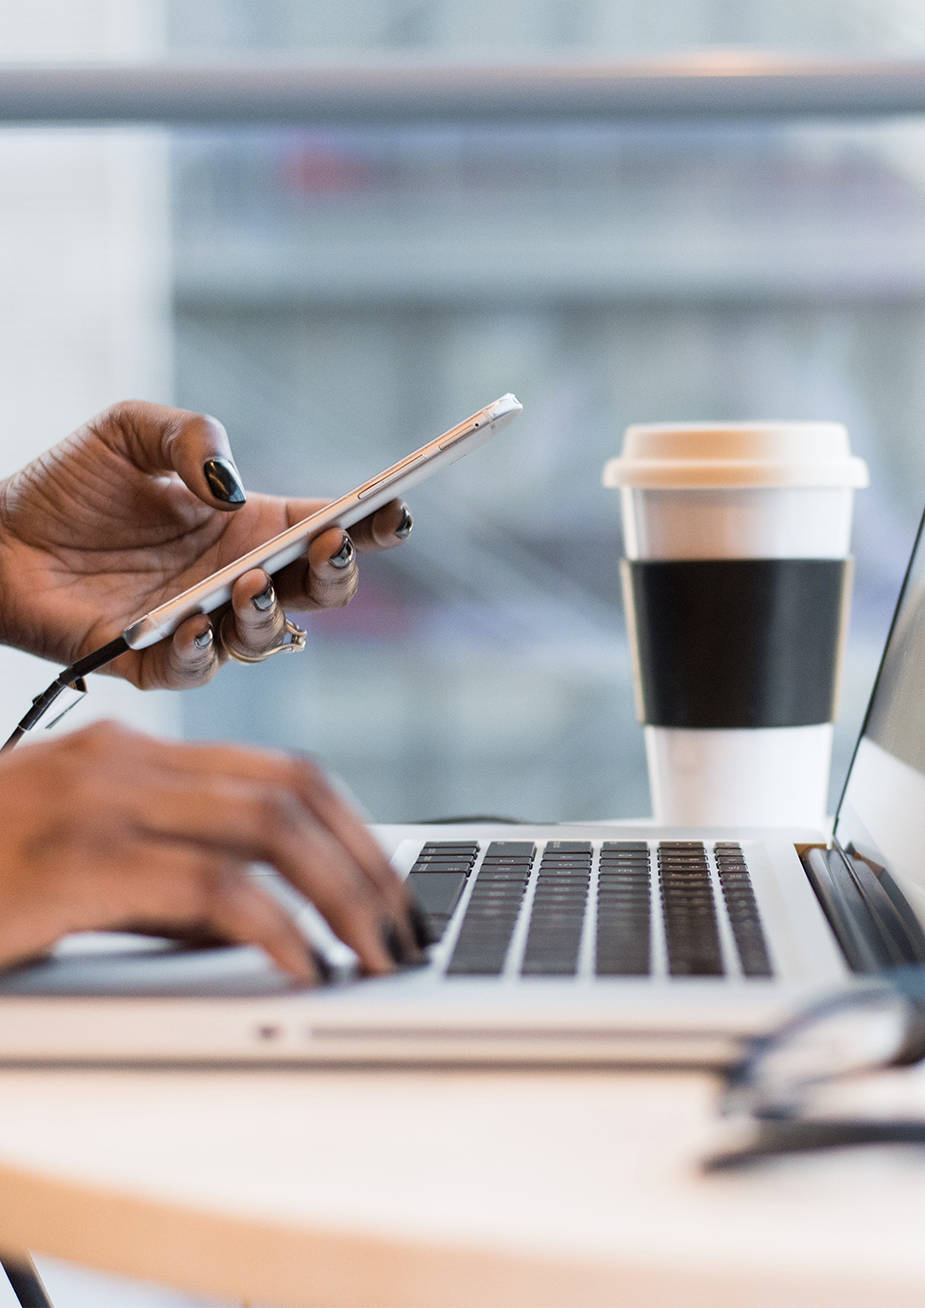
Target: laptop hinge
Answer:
pixel 888 906
pixel 868 919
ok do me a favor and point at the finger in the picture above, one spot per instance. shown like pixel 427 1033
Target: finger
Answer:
pixel 381 530
pixel 265 821
pixel 328 577
pixel 333 810
pixel 280 770
pixel 199 894
pixel 240 911
pixel 304 781
pixel 384 529
pixel 258 824
pixel 190 657
pixel 259 622
pixel 193 445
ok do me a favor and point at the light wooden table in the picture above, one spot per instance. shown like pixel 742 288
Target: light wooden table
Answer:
pixel 426 1188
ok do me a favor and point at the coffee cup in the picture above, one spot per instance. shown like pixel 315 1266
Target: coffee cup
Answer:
pixel 736 582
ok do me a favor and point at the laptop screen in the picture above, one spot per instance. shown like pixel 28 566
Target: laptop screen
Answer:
pixel 881 817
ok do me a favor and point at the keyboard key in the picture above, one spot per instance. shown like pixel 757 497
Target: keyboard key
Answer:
pixel 437 892
pixel 439 846
pixel 485 936
pixel 691 932
pixel 742 911
pixel 621 901
pixel 622 946
pixel 443 865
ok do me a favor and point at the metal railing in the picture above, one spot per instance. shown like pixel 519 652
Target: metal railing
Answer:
pixel 394 90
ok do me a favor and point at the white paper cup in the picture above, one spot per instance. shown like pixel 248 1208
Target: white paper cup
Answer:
pixel 736 579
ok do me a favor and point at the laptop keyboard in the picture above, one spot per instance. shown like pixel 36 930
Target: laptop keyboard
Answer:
pixel 562 908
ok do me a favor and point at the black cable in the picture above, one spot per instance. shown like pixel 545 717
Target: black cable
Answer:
pixel 25 1283
pixel 62 682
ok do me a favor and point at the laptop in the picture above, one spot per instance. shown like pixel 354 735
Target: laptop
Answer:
pixel 587 943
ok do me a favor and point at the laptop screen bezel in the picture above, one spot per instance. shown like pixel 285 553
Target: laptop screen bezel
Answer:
pixel 897 609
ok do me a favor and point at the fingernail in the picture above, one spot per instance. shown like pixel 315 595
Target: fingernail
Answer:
pixel 344 556
pixel 224 480
pixel 204 639
pixel 266 599
pixel 407 522
pixel 321 965
pixel 423 936
pixel 393 942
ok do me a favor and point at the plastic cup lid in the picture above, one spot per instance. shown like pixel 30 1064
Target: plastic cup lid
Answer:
pixel 736 454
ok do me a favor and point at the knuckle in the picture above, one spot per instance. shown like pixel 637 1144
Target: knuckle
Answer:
pixel 122 411
pixel 253 626
pixel 201 425
pixel 263 628
pixel 130 418
pixel 342 597
pixel 335 592
pixel 277 811
pixel 102 739
pixel 308 775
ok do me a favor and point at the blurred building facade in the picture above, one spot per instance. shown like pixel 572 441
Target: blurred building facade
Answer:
pixel 337 296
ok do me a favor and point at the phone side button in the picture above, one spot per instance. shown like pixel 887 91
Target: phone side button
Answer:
pixel 380 484
pixel 460 436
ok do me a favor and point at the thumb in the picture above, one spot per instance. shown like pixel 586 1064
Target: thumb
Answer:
pixel 193 445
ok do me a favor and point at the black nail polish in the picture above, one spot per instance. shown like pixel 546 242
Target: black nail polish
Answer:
pixel 423 935
pixel 322 966
pixel 407 522
pixel 224 481
pixel 344 556
pixel 393 943
pixel 266 599
pixel 204 639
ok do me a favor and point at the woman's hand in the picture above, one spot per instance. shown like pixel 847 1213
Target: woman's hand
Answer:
pixel 109 829
pixel 134 507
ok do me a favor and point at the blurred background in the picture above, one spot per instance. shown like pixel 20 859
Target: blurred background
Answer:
pixel 338 295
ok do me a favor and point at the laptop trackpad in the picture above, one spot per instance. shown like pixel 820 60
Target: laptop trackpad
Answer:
pixel 113 963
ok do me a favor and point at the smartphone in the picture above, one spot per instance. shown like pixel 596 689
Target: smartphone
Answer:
pixel 292 543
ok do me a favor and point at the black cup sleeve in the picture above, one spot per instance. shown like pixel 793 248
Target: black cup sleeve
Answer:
pixel 721 643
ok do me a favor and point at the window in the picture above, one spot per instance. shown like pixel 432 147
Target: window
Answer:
pixel 339 294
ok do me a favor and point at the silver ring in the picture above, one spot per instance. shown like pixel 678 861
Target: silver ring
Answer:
pixel 296 641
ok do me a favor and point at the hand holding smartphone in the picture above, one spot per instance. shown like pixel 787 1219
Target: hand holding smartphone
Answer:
pixel 289 545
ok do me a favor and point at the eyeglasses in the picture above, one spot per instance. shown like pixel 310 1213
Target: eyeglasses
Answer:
pixel 777 1090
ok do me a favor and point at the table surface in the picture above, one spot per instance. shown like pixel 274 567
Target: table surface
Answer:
pixel 380 1187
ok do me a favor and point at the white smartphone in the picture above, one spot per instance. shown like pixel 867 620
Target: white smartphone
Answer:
pixel 289 545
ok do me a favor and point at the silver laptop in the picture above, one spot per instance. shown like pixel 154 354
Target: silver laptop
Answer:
pixel 582 943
